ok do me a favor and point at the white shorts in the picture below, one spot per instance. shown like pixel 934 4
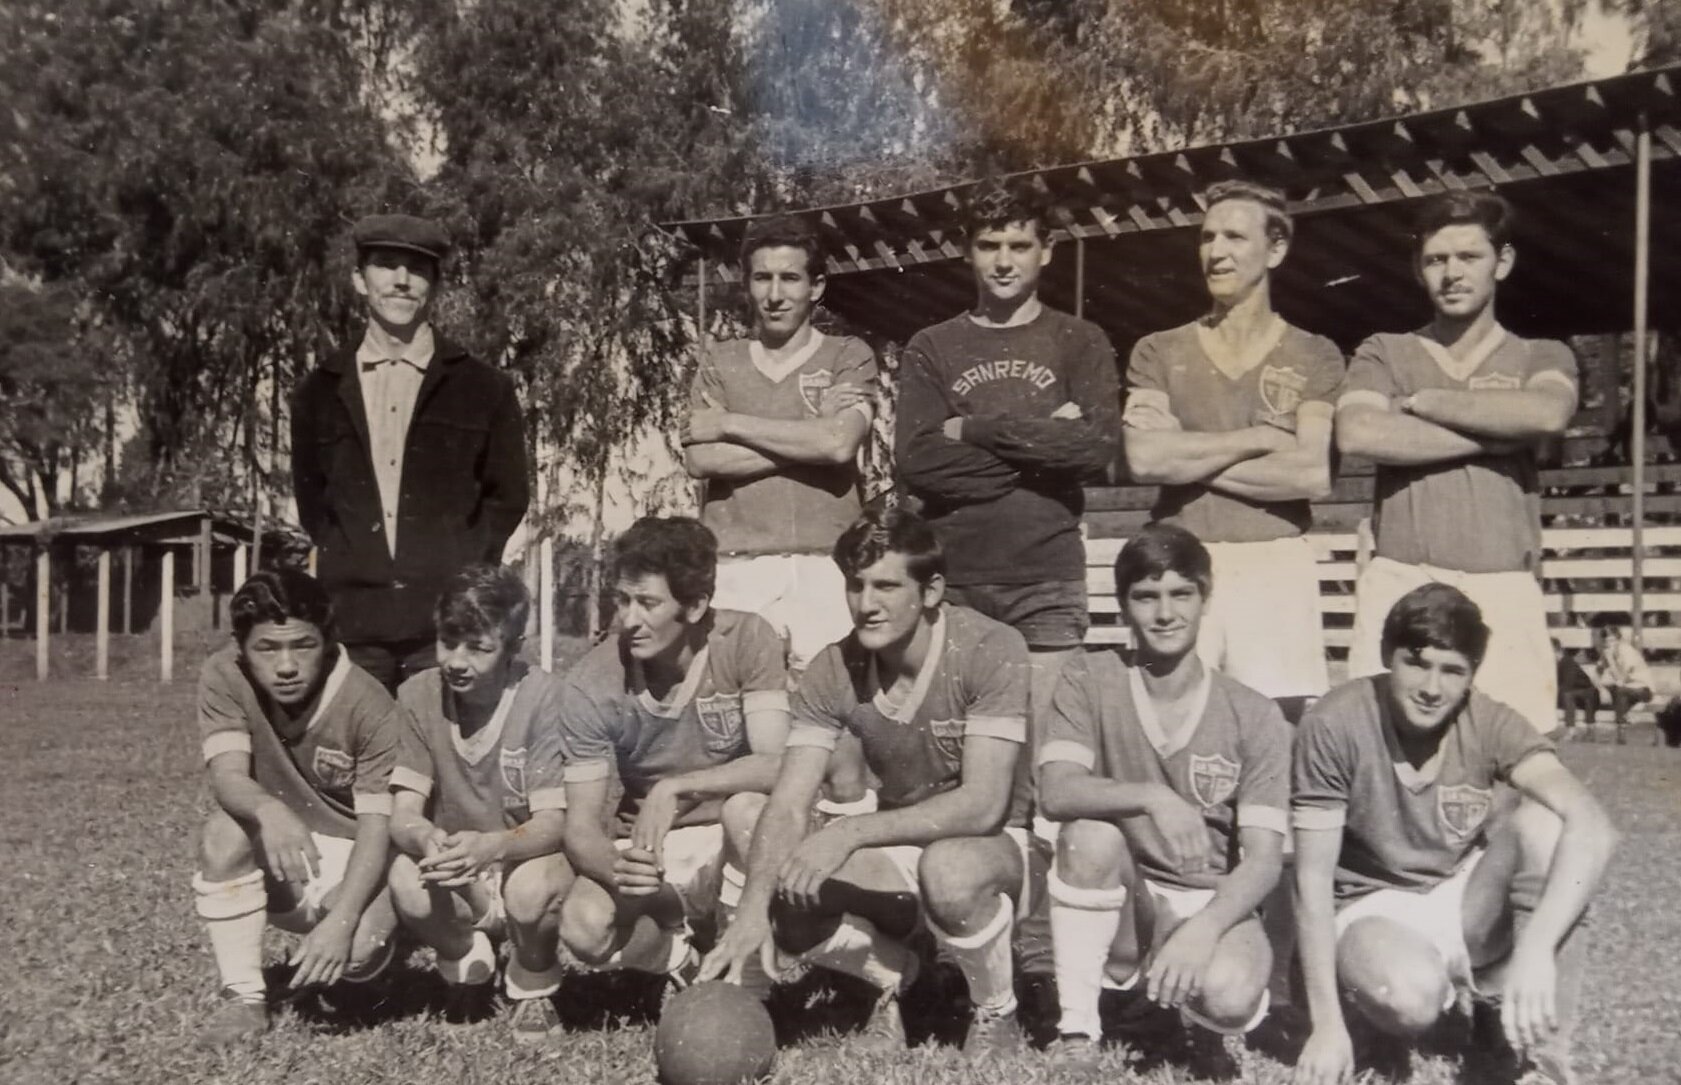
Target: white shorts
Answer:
pixel 1262 625
pixel 1437 915
pixel 1518 669
pixel 907 860
pixel 334 853
pixel 694 866
pixel 802 596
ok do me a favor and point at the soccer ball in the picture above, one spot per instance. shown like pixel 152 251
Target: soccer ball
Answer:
pixel 714 1034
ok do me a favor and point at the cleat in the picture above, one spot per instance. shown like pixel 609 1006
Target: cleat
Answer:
pixel 884 1032
pixel 1074 1052
pixel 992 1033
pixel 235 1020
pixel 534 1019
pixel 469 1003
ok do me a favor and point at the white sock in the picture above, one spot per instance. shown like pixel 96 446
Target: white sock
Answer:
pixel 1084 923
pixel 663 953
pixel 858 949
pixel 985 960
pixel 235 914
pixel 523 983
pixel 478 966
pixel 754 979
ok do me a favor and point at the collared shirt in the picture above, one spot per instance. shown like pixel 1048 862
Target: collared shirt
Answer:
pixel 389 389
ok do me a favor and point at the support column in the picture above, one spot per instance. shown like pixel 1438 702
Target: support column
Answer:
pixel 1079 276
pixel 166 620
pixel 102 632
pixel 43 610
pixel 545 603
pixel 239 560
pixel 1637 421
pixel 128 589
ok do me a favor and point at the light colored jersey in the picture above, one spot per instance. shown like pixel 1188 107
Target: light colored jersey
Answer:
pixel 1172 383
pixel 803 507
pixel 973 681
pixel 1231 760
pixel 610 721
pixel 328 761
pixel 1480 515
pixel 494 778
pixel 1404 826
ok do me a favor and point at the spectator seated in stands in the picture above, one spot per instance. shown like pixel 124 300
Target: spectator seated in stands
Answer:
pixel 1623 676
pixel 1576 690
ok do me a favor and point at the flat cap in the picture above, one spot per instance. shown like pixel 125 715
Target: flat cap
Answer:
pixel 401 232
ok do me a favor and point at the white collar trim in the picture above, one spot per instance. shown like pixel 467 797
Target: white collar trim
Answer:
pixel 776 371
pixel 1460 369
pixel 1167 745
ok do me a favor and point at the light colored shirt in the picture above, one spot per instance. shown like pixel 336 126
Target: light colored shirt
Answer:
pixel 389 389
pixel 1623 666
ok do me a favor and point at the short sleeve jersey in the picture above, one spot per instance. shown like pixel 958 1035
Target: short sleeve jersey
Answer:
pixel 1420 512
pixel 1231 760
pixel 973 681
pixel 1173 383
pixel 1404 826
pixel 328 762
pixel 802 507
pixel 611 722
pixel 494 778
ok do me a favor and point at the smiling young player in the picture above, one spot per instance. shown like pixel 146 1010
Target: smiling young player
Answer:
pixel 937 696
pixel 1172 781
pixel 1452 415
pixel 299 743
pixel 478 804
pixel 1413 879
pixel 686 706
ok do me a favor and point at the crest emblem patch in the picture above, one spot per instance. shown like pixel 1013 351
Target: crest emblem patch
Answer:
pixel 813 385
pixel 1281 389
pixel 334 768
pixel 1462 809
pixel 1495 382
pixel 1213 778
pixel 513 770
pixel 723 724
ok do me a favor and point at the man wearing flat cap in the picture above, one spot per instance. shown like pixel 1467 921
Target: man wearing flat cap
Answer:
pixel 408 456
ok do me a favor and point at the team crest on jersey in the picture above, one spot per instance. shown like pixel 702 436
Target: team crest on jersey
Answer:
pixel 813 385
pixel 1463 808
pixel 1213 778
pixel 1495 382
pixel 1281 389
pixel 513 770
pixel 334 768
pixel 721 721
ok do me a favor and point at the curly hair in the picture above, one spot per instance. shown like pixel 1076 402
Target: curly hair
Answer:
pixel 280 595
pixel 483 598
pixel 679 548
pixel 882 531
pixel 997 203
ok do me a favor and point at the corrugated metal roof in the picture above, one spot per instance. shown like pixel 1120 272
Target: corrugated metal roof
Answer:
pixel 92 527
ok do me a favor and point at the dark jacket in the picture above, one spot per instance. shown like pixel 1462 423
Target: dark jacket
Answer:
pixel 464 488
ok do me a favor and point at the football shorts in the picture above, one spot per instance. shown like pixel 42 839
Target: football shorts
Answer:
pixel 1262 625
pixel 802 596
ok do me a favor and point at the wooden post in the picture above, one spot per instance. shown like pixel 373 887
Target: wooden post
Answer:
pixel 239 553
pixel 128 589
pixel 43 609
pixel 1637 420
pixel 312 553
pixel 545 602
pixel 166 620
pixel 1079 276
pixel 207 597
pixel 102 634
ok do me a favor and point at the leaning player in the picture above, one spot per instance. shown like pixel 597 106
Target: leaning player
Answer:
pixel 937 695
pixel 299 743
pixel 1452 415
pixel 1231 415
pixel 687 706
pixel 1172 783
pixel 774 427
pixel 478 804
pixel 1412 877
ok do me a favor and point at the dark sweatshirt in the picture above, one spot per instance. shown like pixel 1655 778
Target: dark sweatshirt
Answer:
pixel 1006 499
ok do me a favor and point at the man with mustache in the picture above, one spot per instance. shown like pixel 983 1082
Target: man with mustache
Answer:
pixel 408 456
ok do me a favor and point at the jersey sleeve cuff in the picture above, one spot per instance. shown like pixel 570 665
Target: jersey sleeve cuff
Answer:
pixel 1553 376
pixel 764 700
pixel 813 734
pixel 864 408
pixel 547 798
pixel 1256 816
pixel 222 742
pixel 1063 749
pixel 410 780
pixel 1318 817
pixel 1363 397
pixel 584 772
pixel 367 803
pixel 1008 728
pixel 1149 409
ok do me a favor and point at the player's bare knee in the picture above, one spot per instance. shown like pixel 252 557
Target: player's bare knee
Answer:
pixel 586 923
pixel 740 816
pixel 1234 986
pixel 957 883
pixel 534 889
pixel 224 849
pixel 1092 854
pixel 1400 993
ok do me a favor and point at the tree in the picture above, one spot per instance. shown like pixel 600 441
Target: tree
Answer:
pixel 53 383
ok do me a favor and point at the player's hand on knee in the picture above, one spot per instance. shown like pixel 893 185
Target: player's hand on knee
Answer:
pixel 1175 975
pixel 654 820
pixel 321 957
pixel 813 862
pixel 1183 831
pixel 1326 1059
pixel 465 856
pixel 1528 1006
pixel 636 872
pixel 287 844
pixel 744 938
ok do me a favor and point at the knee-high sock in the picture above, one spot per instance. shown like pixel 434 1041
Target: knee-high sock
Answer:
pixel 234 914
pixel 985 960
pixel 477 966
pixel 858 949
pixel 754 979
pixel 1084 923
pixel 522 983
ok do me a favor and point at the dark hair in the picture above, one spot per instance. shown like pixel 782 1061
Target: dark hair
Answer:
pixel 1435 616
pixel 483 598
pixel 679 548
pixel 1280 226
pixel 784 232
pixel 1160 549
pixel 994 204
pixel 879 532
pixel 280 595
pixel 1486 209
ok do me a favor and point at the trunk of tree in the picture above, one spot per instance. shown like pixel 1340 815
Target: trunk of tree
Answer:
pixel 597 530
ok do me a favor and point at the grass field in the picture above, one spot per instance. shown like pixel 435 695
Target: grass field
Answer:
pixel 109 976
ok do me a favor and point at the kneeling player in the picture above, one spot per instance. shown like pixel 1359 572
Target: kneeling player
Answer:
pixel 299 743
pixel 478 804
pixel 937 695
pixel 1412 879
pixel 1172 781
pixel 688 705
